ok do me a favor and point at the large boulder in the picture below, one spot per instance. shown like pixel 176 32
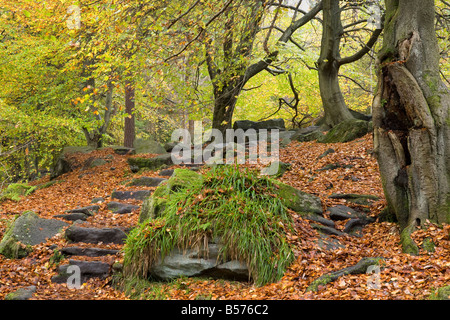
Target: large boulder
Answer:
pixel 230 239
pixel 61 165
pixel 148 146
pixel 28 230
pixel 299 201
pixel 155 163
pixel 199 262
pixel 257 125
pixel 346 131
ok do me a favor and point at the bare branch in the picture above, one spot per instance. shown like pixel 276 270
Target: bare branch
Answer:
pixel 285 37
pixel 201 30
pixel 365 49
pixel 183 15
pixel 266 39
pixel 355 82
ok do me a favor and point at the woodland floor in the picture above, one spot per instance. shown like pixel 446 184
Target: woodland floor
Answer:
pixel 402 276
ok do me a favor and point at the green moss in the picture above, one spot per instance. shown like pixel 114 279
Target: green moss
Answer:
pixel 388 52
pixel 297 200
pixel 408 244
pixel 428 245
pixel 441 294
pixel 56 257
pixel 10 247
pixel 153 206
pixel 321 281
pixel 182 178
pixel 16 191
pixel 346 131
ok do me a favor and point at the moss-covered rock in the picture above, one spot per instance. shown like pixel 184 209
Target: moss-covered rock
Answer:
pixel 153 206
pixel 16 191
pixel 236 210
pixel 142 146
pixel 346 131
pixel 310 136
pixel 155 163
pixel 27 230
pixel 297 200
pixel 428 245
pixel 408 244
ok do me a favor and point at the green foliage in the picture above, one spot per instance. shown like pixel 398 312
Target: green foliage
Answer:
pixel 37 119
pixel 442 293
pixel 10 247
pixel 16 191
pixel 237 209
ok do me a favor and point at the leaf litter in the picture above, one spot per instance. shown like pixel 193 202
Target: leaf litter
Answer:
pixel 401 276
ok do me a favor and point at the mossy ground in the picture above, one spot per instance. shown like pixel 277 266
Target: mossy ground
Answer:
pixel 16 191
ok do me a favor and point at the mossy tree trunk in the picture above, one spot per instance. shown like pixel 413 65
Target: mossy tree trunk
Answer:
pixel 411 112
pixel 328 65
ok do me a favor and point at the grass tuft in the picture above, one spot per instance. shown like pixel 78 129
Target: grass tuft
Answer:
pixel 238 209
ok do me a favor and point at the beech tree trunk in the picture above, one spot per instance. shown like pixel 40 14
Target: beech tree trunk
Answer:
pixel 129 130
pixel 94 136
pixel 228 85
pixel 411 114
pixel 328 65
pixel 330 61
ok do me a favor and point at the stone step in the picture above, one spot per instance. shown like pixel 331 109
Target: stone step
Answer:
pixel 119 207
pixel 76 233
pixel 89 210
pixel 146 182
pixel 82 271
pixel 88 252
pixel 79 213
pixel 131 194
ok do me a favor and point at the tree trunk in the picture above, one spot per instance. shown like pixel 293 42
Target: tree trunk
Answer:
pixel 129 130
pixel 328 65
pixel 224 104
pixel 94 138
pixel 411 112
pixel 330 61
pixel 227 91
